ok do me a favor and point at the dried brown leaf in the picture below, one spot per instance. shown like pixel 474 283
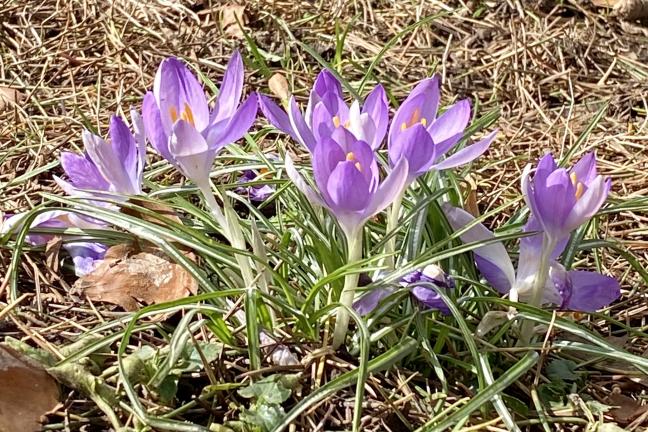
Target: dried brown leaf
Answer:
pixel 631 9
pixel 279 86
pixel 27 392
pixel 129 277
pixel 9 96
pixel 231 16
pixel 627 408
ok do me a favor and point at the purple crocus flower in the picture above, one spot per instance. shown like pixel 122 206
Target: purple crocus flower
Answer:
pixel 180 125
pixel 418 135
pixel 575 290
pixel 561 199
pixel 428 297
pixel 85 255
pixel 348 180
pixel 326 112
pixel 258 193
pixel 113 166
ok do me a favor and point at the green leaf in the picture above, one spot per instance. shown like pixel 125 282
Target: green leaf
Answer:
pixel 561 370
pixel 274 389
pixel 168 389
pixel 264 416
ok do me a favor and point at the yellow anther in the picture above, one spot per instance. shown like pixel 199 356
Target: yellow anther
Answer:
pixel 403 126
pixel 574 178
pixel 336 121
pixel 358 166
pixel 350 157
pixel 347 124
pixel 174 114
pixel 187 115
pixel 580 189
pixel 424 121
pixel 416 115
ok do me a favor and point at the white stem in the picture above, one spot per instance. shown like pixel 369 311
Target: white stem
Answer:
pixel 354 244
pixel 537 290
pixel 392 224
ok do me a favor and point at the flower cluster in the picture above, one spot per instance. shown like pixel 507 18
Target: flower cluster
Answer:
pixel 350 179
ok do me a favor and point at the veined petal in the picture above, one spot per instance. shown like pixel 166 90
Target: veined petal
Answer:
pixel 325 83
pixel 377 107
pixel 588 204
pixel 276 116
pixel 239 123
pixel 585 169
pixel 304 134
pixel 139 132
pixel 327 155
pixel 177 89
pixel 301 184
pixel 108 163
pixel 467 154
pixel 153 127
pixel 389 189
pixel 85 255
pixel 591 291
pixel 370 300
pixel 190 150
pixel 348 188
pixel 452 122
pixel 415 145
pixel 82 172
pixel 231 89
pixel 125 149
pixel 492 259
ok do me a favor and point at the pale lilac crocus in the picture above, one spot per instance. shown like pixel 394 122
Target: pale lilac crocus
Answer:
pixel 327 112
pixel 113 166
pixel 418 134
pixel 561 199
pixel 427 297
pixel 348 181
pixel 576 290
pixel 180 124
pixel 257 193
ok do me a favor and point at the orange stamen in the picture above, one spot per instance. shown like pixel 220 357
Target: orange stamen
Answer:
pixel 350 157
pixel 336 121
pixel 173 113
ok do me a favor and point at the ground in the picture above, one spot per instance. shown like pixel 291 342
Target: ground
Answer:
pixel 563 76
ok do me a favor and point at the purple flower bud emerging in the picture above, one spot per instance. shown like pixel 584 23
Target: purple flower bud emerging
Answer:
pixel 418 135
pixel 180 125
pixel 327 112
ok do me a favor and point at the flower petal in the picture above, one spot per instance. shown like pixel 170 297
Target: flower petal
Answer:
pixel 276 116
pixel 327 155
pixel 467 154
pixel 452 122
pixel 370 300
pixel 190 150
pixel 82 172
pixel 585 168
pixel 492 259
pixel 415 145
pixel 125 149
pixel 155 132
pixel 230 91
pixel 591 291
pixel 377 107
pixel 108 163
pixel 588 204
pixel 239 124
pixel 85 255
pixel 348 188
pixel 304 134
pixel 301 184
pixel 389 189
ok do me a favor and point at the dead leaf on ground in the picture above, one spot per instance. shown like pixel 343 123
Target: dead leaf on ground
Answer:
pixel 9 96
pixel 129 276
pixel 159 208
pixel 231 16
pixel 27 392
pixel 279 86
pixel 627 408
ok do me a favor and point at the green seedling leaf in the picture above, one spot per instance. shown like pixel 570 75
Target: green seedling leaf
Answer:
pixel 274 389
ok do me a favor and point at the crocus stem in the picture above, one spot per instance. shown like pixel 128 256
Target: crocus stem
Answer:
pixel 548 245
pixel 354 244
pixel 392 223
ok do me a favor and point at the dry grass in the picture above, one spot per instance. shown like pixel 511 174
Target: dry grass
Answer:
pixel 549 68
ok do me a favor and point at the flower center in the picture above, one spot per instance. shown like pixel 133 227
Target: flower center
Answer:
pixel 350 157
pixel 337 122
pixel 414 119
pixel 580 188
pixel 186 114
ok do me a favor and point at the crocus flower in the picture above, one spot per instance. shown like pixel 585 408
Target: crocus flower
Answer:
pixel 418 135
pixel 428 297
pixel 562 200
pixel 348 181
pixel 85 256
pixel 114 166
pixel 326 111
pixel 576 290
pixel 180 125
pixel 258 193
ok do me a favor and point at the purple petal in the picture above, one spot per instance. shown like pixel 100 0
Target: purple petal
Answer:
pixel 125 149
pixel 467 154
pixel 322 123
pixel 325 84
pixel 389 189
pixel 589 203
pixel 276 116
pixel 231 89
pixel 362 126
pixel 424 97
pixel 48 219
pixel 190 150
pixel 82 172
pixel 410 113
pixel 301 184
pixel 585 169
pixel 430 298
pixel 326 157
pixel 238 125
pixel 377 107
pixel 369 301
pixel 108 163
pixel 365 159
pixel 492 259
pixel 155 132
pixel 591 291
pixel 178 91
pixel 416 146
pixel 85 255
pixel 451 123
pixel 555 199
pixel 139 132
pixel 299 126
pixel 348 188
